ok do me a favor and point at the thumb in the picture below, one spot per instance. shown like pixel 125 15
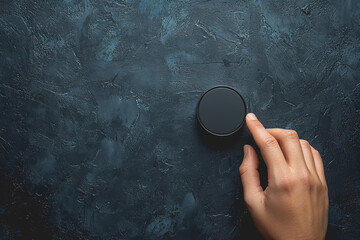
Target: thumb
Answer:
pixel 249 174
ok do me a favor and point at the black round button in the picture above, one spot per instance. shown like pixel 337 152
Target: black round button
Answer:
pixel 221 111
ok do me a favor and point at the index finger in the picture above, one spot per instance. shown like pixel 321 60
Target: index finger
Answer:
pixel 269 147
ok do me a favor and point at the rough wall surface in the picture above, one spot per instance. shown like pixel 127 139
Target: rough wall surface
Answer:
pixel 98 138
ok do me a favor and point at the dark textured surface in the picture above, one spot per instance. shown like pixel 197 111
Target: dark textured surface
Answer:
pixel 97 103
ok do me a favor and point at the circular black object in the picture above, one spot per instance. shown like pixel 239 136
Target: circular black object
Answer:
pixel 221 111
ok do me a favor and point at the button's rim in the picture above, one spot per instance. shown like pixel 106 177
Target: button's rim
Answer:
pixel 217 134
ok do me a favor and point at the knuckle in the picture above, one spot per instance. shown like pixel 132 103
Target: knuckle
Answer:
pixel 316 153
pixel 305 143
pixel 242 169
pixel 269 141
pixel 306 180
pixel 325 188
pixel 319 185
pixel 291 134
pixel 285 184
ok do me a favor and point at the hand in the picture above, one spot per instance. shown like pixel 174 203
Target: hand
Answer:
pixel 295 203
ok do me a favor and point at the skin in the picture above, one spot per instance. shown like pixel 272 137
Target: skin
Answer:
pixel 295 203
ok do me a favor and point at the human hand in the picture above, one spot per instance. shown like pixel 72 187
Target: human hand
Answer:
pixel 295 203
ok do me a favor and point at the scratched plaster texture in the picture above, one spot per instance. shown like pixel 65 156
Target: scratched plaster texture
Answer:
pixel 97 102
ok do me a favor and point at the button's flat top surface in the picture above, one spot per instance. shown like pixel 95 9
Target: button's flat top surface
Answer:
pixel 221 111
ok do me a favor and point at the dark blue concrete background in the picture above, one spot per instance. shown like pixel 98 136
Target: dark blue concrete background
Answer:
pixel 98 138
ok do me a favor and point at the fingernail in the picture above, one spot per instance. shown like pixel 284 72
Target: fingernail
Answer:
pixel 252 116
pixel 246 149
